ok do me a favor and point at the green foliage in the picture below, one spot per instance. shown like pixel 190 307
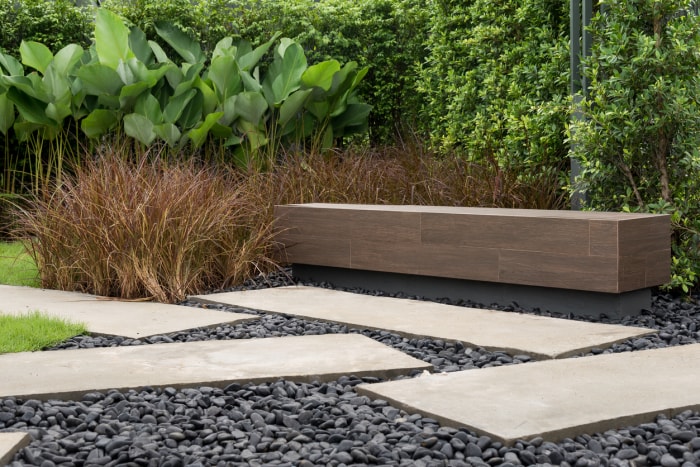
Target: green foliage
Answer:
pixel 224 104
pixel 639 144
pixel 55 23
pixel 34 331
pixel 495 83
pixel 385 35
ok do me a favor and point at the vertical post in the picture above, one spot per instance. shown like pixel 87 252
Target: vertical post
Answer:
pixel 581 12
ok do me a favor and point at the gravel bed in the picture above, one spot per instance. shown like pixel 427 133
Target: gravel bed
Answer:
pixel 300 424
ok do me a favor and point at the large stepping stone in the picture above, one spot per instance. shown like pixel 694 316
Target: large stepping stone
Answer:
pixel 554 399
pixel 113 317
pixel 10 443
pixel 68 374
pixel 516 333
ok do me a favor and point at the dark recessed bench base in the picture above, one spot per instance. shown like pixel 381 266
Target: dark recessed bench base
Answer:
pixel 566 301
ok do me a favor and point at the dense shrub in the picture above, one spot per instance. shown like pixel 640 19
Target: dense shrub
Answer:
pixel 639 143
pixel 496 81
pixel 55 23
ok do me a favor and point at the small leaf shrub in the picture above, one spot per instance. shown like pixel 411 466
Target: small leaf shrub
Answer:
pixel 145 229
pixel 639 143
pixel 496 81
pixel 55 23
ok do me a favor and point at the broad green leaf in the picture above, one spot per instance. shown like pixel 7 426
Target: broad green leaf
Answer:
pixel 158 51
pixel 129 95
pixel 168 133
pixel 56 85
pixel 67 58
pixel 98 122
pixel 328 139
pixel 292 106
pixel 320 75
pixel 31 85
pixel 24 129
pixel 184 45
pixel 284 75
pixel 11 65
pixel 99 79
pixel 35 55
pixel 111 39
pixel 139 46
pixel 224 75
pixel 192 113
pixel 250 83
pixel 210 101
pixel 176 105
pixel 199 134
pixel 343 79
pixel 251 107
pixel 140 128
pixel 355 115
pixel 319 109
pixel 250 59
pixel 221 131
pixel 224 48
pixel 125 73
pixel 253 134
pixel 149 107
pixel 7 114
pixel 30 108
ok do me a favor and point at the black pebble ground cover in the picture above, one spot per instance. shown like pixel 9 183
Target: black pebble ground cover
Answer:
pixel 300 424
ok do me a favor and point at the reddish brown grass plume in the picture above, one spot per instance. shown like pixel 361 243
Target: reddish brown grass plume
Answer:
pixel 146 229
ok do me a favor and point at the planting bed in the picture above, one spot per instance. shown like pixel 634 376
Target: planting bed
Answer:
pixel 284 423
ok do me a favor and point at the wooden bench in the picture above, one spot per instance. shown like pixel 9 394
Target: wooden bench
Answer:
pixel 568 261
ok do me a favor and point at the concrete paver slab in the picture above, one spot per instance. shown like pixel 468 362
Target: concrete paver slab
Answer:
pixel 69 374
pixel 554 399
pixel 112 317
pixel 538 336
pixel 10 443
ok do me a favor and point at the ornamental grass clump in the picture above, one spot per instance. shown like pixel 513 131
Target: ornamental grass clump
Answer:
pixel 146 229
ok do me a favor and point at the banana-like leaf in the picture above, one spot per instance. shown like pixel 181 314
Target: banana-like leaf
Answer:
pixel 224 75
pixel 328 139
pixel 31 85
pixel 139 46
pixel 355 115
pixel 343 80
pixel 251 107
pixel 99 79
pixel 130 94
pixel 149 107
pixel 111 39
pixel 251 83
pixel 210 101
pixel 67 58
pixel 30 108
pixel 11 65
pixel 285 74
pixel 224 48
pixel 7 114
pixel 168 133
pixel 248 60
pixel 183 44
pixel 252 133
pixel 319 109
pixel 176 106
pixel 192 113
pixel 221 131
pixel 35 55
pixel 24 129
pixel 56 85
pixel 140 128
pixel 292 106
pixel 320 75
pixel 198 135
pixel 57 111
pixel 158 51
pixel 98 122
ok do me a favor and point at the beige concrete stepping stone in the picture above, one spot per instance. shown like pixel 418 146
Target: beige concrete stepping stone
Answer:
pixel 555 398
pixel 68 374
pixel 112 317
pixel 10 443
pixel 538 336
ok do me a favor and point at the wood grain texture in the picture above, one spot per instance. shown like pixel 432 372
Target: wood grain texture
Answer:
pixel 592 273
pixel 564 236
pixel 592 251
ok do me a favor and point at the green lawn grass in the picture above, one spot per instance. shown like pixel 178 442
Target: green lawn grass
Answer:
pixel 16 266
pixel 34 331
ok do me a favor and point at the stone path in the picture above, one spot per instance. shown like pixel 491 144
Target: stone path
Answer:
pixel 537 336
pixel 109 317
pixel 553 398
